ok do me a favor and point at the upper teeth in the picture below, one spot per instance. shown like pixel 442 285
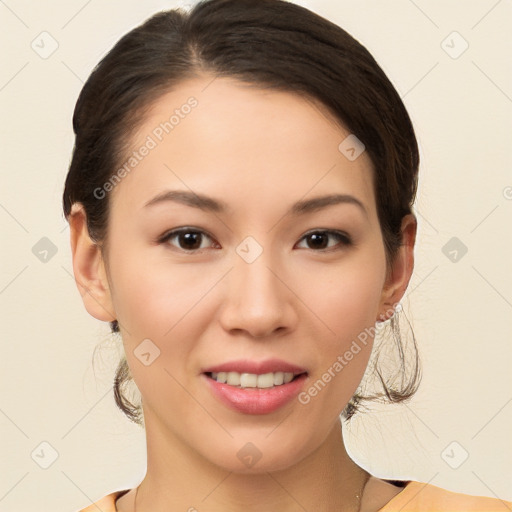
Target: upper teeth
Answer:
pixel 252 380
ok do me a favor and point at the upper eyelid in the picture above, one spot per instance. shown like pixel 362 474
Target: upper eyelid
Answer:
pixel 175 232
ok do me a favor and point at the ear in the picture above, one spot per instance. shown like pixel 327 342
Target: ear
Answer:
pixel 89 268
pixel 399 274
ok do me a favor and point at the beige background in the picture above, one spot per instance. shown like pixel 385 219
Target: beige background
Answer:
pixel 460 310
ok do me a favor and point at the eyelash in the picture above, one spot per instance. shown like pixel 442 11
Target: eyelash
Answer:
pixel 343 238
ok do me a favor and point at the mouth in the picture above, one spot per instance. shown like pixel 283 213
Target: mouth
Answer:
pixel 248 386
pixel 254 380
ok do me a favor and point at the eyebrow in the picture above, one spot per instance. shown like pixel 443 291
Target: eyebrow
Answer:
pixel 209 204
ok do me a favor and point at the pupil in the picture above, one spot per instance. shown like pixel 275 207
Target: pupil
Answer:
pixel 315 237
pixel 188 238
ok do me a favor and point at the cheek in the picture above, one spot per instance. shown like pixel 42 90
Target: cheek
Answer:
pixel 151 294
pixel 346 303
pixel 156 304
pixel 345 297
pixel 166 303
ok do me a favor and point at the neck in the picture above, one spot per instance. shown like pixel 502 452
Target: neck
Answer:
pixel 178 478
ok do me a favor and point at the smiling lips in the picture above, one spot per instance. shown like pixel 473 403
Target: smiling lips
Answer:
pixel 253 387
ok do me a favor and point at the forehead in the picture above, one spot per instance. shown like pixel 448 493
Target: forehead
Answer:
pixel 243 143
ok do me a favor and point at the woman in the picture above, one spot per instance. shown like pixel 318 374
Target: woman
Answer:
pixel 214 152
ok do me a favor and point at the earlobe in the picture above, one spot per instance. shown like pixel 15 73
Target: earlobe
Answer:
pixel 400 273
pixel 89 268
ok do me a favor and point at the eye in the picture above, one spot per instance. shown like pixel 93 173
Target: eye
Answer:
pixel 319 239
pixel 188 239
pixel 192 240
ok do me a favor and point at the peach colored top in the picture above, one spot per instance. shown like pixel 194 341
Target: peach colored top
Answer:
pixel 415 497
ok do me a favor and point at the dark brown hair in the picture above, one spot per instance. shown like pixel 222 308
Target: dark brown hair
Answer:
pixel 272 44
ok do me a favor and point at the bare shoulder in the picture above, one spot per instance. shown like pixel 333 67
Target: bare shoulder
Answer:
pixel 125 503
pixel 377 493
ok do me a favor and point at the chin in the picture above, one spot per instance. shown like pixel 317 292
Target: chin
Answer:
pixel 262 455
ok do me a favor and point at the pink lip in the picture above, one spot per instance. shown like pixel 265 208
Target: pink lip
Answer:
pixel 255 400
pixel 257 367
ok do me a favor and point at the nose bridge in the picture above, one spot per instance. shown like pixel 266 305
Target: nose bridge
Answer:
pixel 256 300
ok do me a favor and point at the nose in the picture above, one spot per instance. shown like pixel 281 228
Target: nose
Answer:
pixel 257 300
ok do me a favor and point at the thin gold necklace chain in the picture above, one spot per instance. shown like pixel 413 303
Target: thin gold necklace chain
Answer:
pixel 358 496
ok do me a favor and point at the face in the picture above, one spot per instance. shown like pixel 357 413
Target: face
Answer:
pixel 253 272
